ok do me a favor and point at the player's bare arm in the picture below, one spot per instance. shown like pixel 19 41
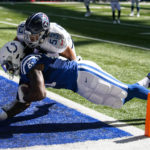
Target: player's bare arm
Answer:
pixel 36 89
pixel 68 53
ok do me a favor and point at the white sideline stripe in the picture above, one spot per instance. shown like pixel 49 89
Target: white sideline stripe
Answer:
pixel 91 38
pixel 112 42
pixel 145 33
pixel 9 23
pixel 138 141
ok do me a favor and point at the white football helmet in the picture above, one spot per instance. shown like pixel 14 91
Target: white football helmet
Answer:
pixel 11 55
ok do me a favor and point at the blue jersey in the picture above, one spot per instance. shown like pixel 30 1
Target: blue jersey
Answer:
pixel 57 73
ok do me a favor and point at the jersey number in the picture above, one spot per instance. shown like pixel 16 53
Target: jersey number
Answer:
pixel 53 42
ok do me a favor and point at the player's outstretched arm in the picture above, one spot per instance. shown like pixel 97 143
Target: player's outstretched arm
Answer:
pixel 16 106
pixel 12 109
pixel 27 93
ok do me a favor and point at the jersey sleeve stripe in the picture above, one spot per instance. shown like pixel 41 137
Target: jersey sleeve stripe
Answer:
pixel 25 62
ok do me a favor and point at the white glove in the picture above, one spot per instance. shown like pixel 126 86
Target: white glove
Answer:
pixel 3 115
pixel 78 58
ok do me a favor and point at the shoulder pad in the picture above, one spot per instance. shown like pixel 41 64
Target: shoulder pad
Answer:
pixel 29 62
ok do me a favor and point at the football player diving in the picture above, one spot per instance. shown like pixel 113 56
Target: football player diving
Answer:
pixel 38 34
pixel 37 71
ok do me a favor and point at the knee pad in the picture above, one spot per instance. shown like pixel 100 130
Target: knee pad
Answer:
pixel 107 94
pixel 103 87
pixel 107 88
pixel 113 101
pixel 118 92
pixel 106 100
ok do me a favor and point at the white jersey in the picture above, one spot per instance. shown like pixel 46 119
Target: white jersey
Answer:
pixel 56 42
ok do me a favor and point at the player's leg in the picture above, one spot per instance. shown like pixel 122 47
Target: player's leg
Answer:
pixel 136 91
pixel 138 8
pixel 119 12
pixel 132 8
pixel 113 12
pixel 99 87
pixel 88 12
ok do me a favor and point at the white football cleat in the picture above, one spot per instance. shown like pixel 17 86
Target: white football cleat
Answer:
pixel 114 22
pixel 132 14
pixel 138 14
pixel 118 21
pixel 145 81
pixel 88 14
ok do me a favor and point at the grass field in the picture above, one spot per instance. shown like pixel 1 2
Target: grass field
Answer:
pixel 129 62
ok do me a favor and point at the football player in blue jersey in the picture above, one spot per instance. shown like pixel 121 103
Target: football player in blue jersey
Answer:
pixel 37 71
pixel 38 34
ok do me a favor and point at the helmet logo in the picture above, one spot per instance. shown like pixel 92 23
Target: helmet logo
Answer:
pixel 45 21
pixel 10 50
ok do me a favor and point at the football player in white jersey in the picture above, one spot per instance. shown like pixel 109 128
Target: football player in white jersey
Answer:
pixel 37 71
pixel 115 5
pixel 38 34
pixel 133 2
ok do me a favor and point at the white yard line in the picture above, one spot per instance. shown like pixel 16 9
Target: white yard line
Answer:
pixel 91 38
pixel 9 23
pixel 112 42
pixel 145 33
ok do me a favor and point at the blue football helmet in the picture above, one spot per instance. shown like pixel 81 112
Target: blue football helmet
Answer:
pixel 36 29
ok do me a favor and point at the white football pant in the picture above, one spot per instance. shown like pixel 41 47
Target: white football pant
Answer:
pixel 115 5
pixel 98 86
pixel 135 1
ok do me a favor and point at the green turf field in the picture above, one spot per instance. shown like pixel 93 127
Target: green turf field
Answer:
pixel 127 63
